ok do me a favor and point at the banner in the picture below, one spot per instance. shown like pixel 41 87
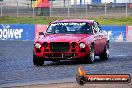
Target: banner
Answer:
pixel 17 31
pixel 129 34
pixel 31 32
pixel 41 4
pixel 39 28
pixel 115 33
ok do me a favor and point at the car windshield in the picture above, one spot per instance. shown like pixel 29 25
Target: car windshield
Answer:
pixel 69 28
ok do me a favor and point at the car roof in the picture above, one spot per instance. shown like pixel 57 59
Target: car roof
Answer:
pixel 74 20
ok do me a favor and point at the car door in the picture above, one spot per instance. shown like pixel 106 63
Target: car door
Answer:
pixel 97 38
pixel 103 39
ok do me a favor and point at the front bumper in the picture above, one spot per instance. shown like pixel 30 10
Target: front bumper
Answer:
pixel 62 56
pixel 49 56
pixel 71 54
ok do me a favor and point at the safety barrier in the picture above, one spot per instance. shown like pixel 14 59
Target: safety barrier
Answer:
pixel 17 31
pixel 39 28
pixel 30 32
pixel 115 33
pixel 129 33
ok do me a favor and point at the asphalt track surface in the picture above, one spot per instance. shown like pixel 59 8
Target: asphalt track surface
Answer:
pixel 16 67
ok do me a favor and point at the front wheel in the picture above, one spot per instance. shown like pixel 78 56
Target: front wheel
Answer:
pixel 90 58
pixel 37 61
pixel 105 54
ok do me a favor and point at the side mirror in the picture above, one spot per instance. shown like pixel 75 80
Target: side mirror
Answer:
pixel 41 33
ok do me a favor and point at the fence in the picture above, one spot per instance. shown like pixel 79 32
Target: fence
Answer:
pixel 67 9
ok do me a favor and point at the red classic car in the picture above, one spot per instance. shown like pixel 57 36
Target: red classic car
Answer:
pixel 71 39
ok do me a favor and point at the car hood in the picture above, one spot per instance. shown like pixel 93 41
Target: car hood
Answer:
pixel 64 37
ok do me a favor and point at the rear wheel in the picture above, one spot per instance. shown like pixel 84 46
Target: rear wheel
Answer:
pixel 105 54
pixel 90 58
pixel 37 61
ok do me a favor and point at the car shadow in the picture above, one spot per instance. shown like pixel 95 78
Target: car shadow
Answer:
pixel 68 62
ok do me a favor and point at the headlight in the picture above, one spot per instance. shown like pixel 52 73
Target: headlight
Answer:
pixel 82 45
pixel 37 45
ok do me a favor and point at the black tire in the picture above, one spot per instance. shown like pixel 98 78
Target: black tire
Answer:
pixel 56 61
pixel 105 54
pixel 90 58
pixel 37 61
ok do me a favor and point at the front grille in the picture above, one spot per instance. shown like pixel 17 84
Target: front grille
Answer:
pixel 60 55
pixel 59 46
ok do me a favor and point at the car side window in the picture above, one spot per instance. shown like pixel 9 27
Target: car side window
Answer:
pixel 96 27
pixel 100 30
pixel 85 29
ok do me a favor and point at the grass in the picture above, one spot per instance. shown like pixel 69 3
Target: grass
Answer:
pixel 46 20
